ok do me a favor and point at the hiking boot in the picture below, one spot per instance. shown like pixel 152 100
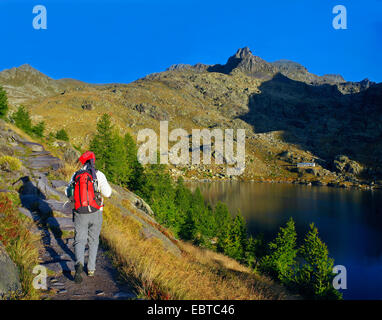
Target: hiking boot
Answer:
pixel 79 269
pixel 91 273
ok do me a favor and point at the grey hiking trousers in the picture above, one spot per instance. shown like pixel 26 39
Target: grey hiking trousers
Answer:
pixel 87 230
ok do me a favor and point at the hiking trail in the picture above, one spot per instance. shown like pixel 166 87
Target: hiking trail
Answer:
pixel 44 201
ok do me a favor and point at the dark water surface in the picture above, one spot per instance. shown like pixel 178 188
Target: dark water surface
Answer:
pixel 348 221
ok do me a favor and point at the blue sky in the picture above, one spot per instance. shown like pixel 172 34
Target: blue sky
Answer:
pixel 123 40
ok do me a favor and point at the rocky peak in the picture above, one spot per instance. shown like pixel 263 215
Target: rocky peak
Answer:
pixel 244 61
pixel 22 74
pixel 243 53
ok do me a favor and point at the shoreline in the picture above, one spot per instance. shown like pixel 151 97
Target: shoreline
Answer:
pixel 338 185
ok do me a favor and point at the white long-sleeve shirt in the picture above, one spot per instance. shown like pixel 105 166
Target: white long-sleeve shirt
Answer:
pixel 103 185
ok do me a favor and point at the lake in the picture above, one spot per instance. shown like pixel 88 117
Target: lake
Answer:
pixel 348 221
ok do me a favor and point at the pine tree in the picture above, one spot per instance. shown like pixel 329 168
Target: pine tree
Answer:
pixel 110 151
pixel 39 129
pixel 281 260
pixel 256 250
pixel 136 171
pixel 62 135
pixel 22 119
pixel 182 194
pixel 223 220
pixel 102 143
pixel 315 275
pixel 188 229
pixel 3 103
pixel 235 243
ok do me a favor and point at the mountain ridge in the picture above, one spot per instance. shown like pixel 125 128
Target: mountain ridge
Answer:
pixel 306 117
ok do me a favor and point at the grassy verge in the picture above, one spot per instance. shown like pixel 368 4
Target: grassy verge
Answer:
pixel 196 274
pixel 21 245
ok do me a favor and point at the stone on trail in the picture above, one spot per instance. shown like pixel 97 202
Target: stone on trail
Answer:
pixel 58 284
pixel 28 214
pixel 123 295
pixel 61 223
pixel 60 267
pixel 35 147
pixel 42 162
pixel 44 186
pixel 63 207
pixel 58 183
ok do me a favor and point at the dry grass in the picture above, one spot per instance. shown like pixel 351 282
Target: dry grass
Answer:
pixel 66 172
pixel 196 274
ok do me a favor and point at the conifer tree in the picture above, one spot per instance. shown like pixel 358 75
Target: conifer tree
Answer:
pixel 22 119
pixel 256 250
pixel 136 178
pixel 39 129
pixel 3 103
pixel 188 229
pixel 315 275
pixel 110 152
pixel 62 135
pixel 236 241
pixel 223 220
pixel 281 260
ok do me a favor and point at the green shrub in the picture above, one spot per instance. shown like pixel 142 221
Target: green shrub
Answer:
pixel 62 135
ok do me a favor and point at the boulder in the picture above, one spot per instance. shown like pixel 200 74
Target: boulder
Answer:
pixel 343 164
pixel 9 275
pixel 71 154
pixel 44 186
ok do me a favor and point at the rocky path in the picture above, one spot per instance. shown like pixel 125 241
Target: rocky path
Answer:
pixel 43 201
pixel 58 257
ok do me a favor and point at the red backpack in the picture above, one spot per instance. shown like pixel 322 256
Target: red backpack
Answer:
pixel 86 199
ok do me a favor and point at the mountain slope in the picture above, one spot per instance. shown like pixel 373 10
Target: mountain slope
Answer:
pixel 24 83
pixel 290 115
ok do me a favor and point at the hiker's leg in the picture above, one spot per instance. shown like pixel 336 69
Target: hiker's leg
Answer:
pixel 94 231
pixel 81 224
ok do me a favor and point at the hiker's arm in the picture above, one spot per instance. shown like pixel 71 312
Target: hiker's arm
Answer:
pixel 104 186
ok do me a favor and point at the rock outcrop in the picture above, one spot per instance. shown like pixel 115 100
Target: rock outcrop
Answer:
pixel 9 274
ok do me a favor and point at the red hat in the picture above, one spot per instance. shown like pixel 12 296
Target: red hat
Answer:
pixel 88 155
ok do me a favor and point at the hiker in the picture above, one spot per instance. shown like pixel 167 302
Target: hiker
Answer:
pixel 85 189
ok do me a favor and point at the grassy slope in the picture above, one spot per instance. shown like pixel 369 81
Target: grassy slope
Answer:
pixel 183 97
pixel 196 274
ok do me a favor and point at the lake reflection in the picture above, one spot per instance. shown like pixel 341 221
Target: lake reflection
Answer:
pixel 349 222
